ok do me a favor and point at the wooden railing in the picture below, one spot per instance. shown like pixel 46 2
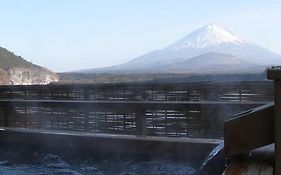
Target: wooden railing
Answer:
pixel 200 91
pixel 182 110
pixel 181 119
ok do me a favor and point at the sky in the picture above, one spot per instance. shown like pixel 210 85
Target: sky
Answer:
pixel 66 35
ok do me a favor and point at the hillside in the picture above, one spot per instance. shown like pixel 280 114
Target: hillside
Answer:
pixel 9 60
pixel 16 70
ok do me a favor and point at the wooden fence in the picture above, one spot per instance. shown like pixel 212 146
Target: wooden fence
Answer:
pixel 181 110
pixel 181 119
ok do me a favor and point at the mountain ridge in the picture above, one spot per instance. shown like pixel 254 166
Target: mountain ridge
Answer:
pixel 207 39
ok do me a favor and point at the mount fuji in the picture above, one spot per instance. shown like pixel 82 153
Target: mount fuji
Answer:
pixel 210 49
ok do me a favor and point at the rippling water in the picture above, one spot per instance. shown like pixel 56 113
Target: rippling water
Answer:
pixel 33 163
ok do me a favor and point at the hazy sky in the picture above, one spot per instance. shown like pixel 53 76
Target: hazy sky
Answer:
pixel 65 35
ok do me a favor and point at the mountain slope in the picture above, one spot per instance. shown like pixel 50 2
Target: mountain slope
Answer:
pixel 16 70
pixel 207 39
pixel 213 62
pixel 9 60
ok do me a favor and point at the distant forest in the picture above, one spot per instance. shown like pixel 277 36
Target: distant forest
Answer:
pixel 94 78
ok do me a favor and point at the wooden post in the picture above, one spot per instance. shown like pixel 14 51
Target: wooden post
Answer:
pixel 7 111
pixel 277 110
pixel 86 94
pixel 140 121
pixel 240 94
pixel 275 74
pixel 9 114
pixel 25 116
pixel 87 112
pixel 86 120
pixel 25 94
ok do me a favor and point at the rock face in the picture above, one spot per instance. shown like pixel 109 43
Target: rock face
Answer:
pixel 4 78
pixel 15 70
pixel 25 76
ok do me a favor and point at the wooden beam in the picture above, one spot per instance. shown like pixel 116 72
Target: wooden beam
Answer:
pixel 175 105
pixel 274 73
pixel 249 130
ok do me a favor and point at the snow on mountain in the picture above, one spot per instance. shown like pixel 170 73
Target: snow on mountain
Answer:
pixel 211 38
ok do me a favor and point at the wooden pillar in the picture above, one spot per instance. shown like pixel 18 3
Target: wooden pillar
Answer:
pixel 140 121
pixel 274 73
pixel 277 127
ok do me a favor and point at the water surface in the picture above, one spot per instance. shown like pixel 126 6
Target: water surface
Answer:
pixel 23 162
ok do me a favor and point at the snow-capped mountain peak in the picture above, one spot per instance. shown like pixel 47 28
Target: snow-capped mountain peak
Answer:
pixel 211 48
pixel 211 35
